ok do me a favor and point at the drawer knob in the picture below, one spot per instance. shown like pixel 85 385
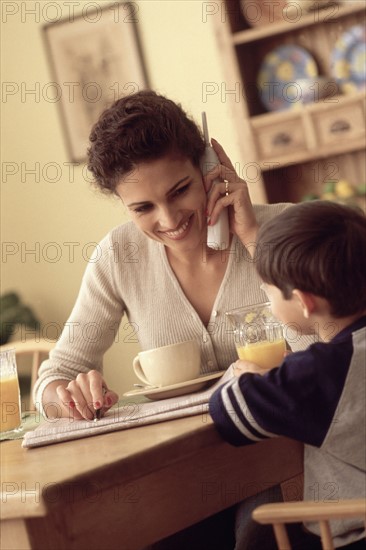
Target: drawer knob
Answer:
pixel 281 139
pixel 340 126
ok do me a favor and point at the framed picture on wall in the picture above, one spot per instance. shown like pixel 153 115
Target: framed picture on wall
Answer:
pixel 95 58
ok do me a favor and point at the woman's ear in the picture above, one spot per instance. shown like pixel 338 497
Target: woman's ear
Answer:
pixel 306 301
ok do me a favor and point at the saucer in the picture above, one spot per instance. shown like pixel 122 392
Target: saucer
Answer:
pixel 348 59
pixel 174 390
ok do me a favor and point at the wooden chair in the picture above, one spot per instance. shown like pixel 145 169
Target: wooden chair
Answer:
pixel 278 514
pixel 37 350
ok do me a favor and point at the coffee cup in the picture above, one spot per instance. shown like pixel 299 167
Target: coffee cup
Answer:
pixel 168 365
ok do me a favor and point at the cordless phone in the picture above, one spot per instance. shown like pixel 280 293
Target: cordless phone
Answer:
pixel 218 234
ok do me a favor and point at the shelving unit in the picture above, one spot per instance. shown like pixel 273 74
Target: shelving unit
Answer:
pixel 295 151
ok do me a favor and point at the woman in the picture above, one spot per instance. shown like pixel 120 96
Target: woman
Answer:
pixel 156 268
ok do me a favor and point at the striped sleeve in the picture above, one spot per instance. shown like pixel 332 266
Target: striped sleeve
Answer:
pixel 297 399
pixel 232 416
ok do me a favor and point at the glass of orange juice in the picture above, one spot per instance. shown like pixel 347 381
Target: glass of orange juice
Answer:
pixel 10 410
pixel 258 335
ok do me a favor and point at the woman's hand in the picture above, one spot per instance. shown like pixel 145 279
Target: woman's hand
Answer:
pixel 82 397
pixel 230 192
pixel 240 367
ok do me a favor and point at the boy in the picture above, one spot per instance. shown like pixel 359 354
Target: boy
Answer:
pixel 312 260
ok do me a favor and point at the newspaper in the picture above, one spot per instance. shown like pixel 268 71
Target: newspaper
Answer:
pixel 129 413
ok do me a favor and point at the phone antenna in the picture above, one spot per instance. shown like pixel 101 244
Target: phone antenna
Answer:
pixel 205 128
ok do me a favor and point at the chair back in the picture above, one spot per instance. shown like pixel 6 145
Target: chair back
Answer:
pixel 281 513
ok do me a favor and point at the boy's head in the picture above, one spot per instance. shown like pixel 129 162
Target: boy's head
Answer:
pixel 317 247
pixel 138 128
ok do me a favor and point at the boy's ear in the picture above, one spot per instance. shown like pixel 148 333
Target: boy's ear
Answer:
pixel 306 301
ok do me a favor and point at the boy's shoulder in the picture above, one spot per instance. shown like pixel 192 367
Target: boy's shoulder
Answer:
pixel 334 355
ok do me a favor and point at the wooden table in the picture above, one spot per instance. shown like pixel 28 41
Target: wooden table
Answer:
pixel 130 488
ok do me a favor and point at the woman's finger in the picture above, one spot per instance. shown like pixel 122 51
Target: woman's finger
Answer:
pixel 219 201
pixel 110 398
pixel 67 403
pixel 81 397
pixel 220 152
pixel 97 389
pixel 102 397
pixel 80 393
pixel 220 174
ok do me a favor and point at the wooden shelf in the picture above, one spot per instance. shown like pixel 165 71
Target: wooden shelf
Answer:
pixel 306 156
pixel 316 17
pixel 330 132
pixel 323 104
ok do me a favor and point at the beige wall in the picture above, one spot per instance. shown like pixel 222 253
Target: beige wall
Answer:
pixel 42 215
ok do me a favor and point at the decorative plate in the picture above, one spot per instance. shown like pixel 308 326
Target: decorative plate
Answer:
pixel 349 59
pixel 278 74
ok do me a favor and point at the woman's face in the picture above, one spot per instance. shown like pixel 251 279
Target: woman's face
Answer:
pixel 167 201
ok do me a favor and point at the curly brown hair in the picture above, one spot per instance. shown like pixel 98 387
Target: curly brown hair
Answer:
pixel 317 247
pixel 137 128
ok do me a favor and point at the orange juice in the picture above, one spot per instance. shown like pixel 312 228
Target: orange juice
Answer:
pixel 266 354
pixel 10 403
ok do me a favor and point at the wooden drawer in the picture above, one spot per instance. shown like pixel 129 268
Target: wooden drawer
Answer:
pixel 344 123
pixel 280 138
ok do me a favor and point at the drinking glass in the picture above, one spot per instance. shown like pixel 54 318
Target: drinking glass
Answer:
pixel 258 335
pixel 10 409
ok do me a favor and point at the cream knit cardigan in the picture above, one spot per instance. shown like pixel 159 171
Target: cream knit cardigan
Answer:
pixel 129 273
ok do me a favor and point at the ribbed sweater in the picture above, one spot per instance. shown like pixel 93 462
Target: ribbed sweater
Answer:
pixel 130 273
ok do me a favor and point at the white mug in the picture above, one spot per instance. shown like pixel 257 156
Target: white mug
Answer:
pixel 169 365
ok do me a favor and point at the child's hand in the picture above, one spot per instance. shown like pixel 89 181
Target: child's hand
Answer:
pixel 240 367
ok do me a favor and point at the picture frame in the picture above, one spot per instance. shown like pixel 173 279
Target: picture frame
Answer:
pixel 95 57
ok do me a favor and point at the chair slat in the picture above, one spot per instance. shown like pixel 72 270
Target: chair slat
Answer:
pixel 280 513
pixel 326 535
pixel 281 536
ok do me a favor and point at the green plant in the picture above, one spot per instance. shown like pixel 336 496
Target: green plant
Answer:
pixel 12 313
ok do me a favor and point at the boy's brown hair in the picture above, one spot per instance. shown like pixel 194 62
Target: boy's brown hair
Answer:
pixel 141 127
pixel 317 247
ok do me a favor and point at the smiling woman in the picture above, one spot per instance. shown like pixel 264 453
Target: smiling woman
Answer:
pixel 167 201
pixel 147 151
